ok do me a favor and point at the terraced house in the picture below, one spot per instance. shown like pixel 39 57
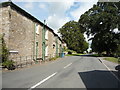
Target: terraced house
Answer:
pixel 25 36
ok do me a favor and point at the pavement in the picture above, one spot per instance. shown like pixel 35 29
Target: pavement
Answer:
pixel 69 72
pixel 110 66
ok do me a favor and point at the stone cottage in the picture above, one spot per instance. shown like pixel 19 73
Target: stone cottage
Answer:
pixel 26 37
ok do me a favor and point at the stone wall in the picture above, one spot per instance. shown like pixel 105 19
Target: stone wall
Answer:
pixel 59 45
pixel 5 23
pixel 38 39
pixel 51 49
pixel 21 35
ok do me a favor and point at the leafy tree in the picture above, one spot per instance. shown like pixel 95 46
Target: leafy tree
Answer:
pixel 100 21
pixel 72 35
pixel 106 42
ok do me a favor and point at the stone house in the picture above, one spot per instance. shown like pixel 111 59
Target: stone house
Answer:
pixel 25 36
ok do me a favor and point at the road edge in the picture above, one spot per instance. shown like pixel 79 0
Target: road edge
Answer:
pixel 108 69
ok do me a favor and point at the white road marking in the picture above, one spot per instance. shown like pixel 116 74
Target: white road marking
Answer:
pixel 111 72
pixel 42 81
pixel 68 65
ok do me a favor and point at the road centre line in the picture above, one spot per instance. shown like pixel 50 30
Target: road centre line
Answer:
pixel 39 83
pixel 68 65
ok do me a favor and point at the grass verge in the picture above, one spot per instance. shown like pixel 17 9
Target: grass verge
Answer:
pixel 112 59
pixel 53 58
pixel 78 54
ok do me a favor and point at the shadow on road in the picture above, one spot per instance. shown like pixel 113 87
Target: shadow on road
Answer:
pixel 99 79
pixel 87 55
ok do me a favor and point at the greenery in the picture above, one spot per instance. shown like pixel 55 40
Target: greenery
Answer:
pixel 71 51
pixel 53 58
pixel 77 54
pixel 96 55
pixel 72 35
pixel 5 51
pixel 100 21
pixel 112 59
pixel 6 63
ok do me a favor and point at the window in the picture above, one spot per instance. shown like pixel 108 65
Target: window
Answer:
pixel 46 51
pixel 46 34
pixel 37 28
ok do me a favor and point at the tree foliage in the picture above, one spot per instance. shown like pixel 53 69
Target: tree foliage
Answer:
pixel 100 21
pixel 72 35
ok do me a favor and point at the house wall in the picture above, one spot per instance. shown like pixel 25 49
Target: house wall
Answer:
pixel 38 39
pixel 50 43
pixel 20 35
pixel 4 27
pixel 5 23
pixel 59 46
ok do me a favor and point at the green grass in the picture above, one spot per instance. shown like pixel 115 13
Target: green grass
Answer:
pixel 112 59
pixel 74 54
pixel 96 55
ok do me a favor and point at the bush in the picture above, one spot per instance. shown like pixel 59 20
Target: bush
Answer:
pixel 9 65
pixel 69 52
pixel 4 51
pixel 6 63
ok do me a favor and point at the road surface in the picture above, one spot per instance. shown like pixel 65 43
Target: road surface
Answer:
pixel 68 72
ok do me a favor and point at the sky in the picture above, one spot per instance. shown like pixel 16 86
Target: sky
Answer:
pixel 56 12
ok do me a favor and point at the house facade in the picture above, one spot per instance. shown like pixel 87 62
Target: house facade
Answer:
pixel 25 36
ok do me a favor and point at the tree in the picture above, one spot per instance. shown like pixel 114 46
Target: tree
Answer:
pixel 73 37
pixel 105 42
pixel 100 21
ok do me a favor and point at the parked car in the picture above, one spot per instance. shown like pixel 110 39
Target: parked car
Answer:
pixel 118 68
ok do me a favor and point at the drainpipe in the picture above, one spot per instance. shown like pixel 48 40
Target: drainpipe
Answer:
pixel 34 42
pixel 43 42
pixel 56 47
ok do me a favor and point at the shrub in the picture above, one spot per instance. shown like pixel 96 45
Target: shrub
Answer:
pixel 69 52
pixel 9 65
pixel 4 52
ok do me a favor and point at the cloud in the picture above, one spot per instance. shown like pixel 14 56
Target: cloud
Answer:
pixel 84 6
pixel 57 14
pixel 56 22
pixel 28 5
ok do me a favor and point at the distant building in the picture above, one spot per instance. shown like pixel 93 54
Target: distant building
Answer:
pixel 25 36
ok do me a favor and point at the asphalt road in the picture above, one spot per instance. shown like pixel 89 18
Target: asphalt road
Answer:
pixel 68 72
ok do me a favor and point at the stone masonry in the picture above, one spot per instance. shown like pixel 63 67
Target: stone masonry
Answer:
pixel 23 34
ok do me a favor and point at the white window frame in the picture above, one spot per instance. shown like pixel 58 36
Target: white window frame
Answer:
pixel 46 51
pixel 46 34
pixel 37 28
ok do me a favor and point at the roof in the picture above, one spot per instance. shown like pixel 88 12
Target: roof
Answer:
pixel 26 14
